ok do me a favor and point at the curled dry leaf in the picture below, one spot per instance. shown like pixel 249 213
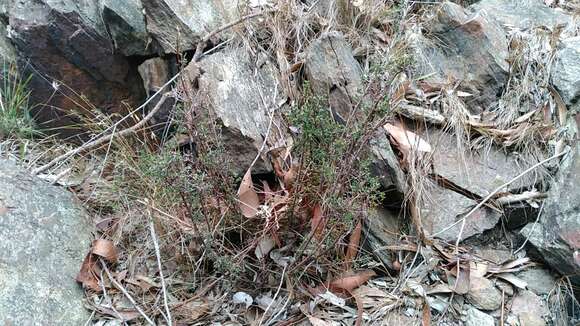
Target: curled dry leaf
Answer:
pixel 349 283
pixel 265 245
pixel 249 200
pixel 407 141
pixel 106 249
pixel 88 274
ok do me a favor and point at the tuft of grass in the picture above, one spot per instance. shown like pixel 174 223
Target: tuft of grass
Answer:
pixel 15 118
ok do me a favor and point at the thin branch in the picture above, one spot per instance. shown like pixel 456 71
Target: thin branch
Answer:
pixel 163 288
pixel 492 194
pixel 100 141
pixel 127 295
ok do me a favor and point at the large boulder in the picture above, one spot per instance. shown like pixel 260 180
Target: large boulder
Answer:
pixel 44 236
pixel 240 96
pixel 177 25
pixel 521 14
pixel 566 72
pixel 333 72
pixel 557 235
pixel 74 67
pixel 465 48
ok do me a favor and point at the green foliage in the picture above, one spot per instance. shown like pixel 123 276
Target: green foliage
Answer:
pixel 337 169
pixel 15 118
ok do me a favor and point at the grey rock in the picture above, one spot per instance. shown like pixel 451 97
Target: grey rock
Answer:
pixel 478 318
pixel 521 13
pixel 527 305
pixel 7 51
pixel 540 281
pixel 126 25
pixel 465 47
pixel 477 173
pixel 441 208
pixel 177 25
pixel 381 229
pixel 483 294
pixel 333 72
pixel 44 236
pixel 63 45
pixel 566 72
pixel 557 235
pixel 239 95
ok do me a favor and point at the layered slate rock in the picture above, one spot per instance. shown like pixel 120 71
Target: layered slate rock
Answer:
pixel 126 26
pixel 521 14
pixel 333 72
pixel 177 25
pixel 75 70
pixel 471 175
pixel 44 236
pixel 241 97
pixel 465 48
pixel 566 72
pixel 557 235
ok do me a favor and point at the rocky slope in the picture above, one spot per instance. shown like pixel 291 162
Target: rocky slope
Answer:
pixel 491 90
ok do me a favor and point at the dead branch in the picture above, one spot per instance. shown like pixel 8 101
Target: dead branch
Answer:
pixel 100 141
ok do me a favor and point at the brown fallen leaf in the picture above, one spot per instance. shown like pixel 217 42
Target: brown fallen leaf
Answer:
pixel 353 244
pixel 349 283
pixel 407 141
pixel 87 276
pixel 249 200
pixel 318 221
pixel 426 320
pixel 105 249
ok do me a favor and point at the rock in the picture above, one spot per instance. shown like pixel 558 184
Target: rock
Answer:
pixel 566 72
pixel 483 294
pixel 126 25
pixel 382 229
pixel 333 72
pixel 7 51
pixel 72 64
pixel 155 73
pixel 177 25
pixel 540 281
pixel 44 236
pixel 478 318
pixel 466 48
pixel 477 173
pixel 521 14
pixel 528 306
pixel 531 319
pixel 444 207
pixel 557 235
pixel 234 88
pixel 505 287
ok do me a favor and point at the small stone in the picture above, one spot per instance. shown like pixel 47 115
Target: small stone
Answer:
pixel 478 318
pixel 531 319
pixel 540 281
pixel 483 294
pixel 528 302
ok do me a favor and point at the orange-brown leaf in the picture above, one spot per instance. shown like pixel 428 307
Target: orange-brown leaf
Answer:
pixel 106 249
pixel 317 222
pixel 426 320
pixel 349 283
pixel 249 200
pixel 87 274
pixel 353 244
